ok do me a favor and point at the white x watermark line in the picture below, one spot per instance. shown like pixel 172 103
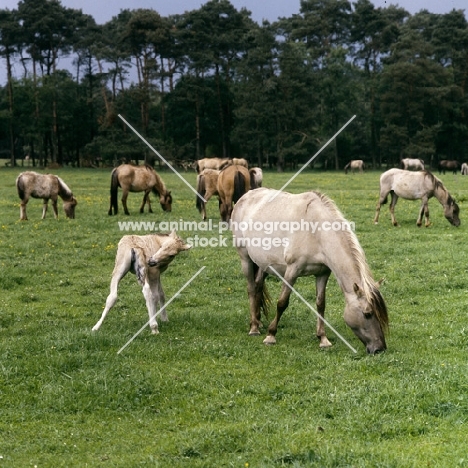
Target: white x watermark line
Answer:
pixel 312 309
pixel 312 158
pixel 159 311
pixel 162 159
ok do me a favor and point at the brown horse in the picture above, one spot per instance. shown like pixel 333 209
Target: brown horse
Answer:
pixel 207 186
pixel 420 185
pixel 212 163
pixel 449 165
pixel 45 186
pixel 138 179
pixel 233 182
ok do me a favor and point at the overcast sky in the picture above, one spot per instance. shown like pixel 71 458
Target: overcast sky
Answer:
pixel 102 10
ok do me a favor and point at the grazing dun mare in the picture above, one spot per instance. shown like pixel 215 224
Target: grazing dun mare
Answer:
pixel 421 185
pixel 207 186
pixel 412 164
pixel 138 179
pixel 147 257
pixel 48 187
pixel 354 165
pixel 287 247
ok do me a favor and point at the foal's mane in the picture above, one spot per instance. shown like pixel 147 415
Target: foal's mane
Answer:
pixel 368 283
pixel 64 190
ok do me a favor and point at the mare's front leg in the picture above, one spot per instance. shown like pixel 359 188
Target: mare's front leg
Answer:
pixel 124 200
pixel 321 285
pixel 45 205
pixel 423 211
pixel 54 207
pixel 281 306
pixel 392 208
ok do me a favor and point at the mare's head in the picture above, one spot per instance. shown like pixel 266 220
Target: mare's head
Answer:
pixel 451 212
pixel 165 200
pixel 170 247
pixel 69 207
pixel 368 318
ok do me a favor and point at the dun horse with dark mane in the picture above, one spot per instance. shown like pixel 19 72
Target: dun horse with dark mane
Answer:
pixel 138 179
pixel 421 185
pixel 289 253
pixel 48 187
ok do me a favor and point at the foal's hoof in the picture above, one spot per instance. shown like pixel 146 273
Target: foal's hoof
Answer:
pixel 154 331
pixel 269 340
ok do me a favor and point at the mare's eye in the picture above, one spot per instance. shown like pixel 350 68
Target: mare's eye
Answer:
pixel 368 315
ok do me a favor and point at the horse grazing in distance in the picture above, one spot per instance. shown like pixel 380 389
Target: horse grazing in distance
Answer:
pixel 48 187
pixel 147 257
pixel 292 253
pixel 448 165
pixel 256 177
pixel 412 164
pixel 240 162
pixel 464 169
pixel 354 165
pixel 207 186
pixel 421 185
pixel 138 179
pixel 233 182
pixel 212 163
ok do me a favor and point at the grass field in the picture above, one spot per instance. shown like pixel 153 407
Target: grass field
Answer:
pixel 203 393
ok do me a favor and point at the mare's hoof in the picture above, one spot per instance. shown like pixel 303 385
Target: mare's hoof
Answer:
pixel 269 340
pixel 154 331
pixel 254 333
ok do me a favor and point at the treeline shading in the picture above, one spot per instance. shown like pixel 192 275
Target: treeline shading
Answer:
pixel 213 82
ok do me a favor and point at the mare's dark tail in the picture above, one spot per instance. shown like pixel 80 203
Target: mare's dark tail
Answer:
pixel 201 192
pixel 114 203
pixel 239 186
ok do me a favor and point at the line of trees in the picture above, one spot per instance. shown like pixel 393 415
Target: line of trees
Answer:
pixel 212 82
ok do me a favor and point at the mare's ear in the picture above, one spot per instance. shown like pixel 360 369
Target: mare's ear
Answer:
pixel 359 292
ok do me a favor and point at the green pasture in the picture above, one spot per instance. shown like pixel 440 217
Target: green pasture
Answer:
pixel 203 393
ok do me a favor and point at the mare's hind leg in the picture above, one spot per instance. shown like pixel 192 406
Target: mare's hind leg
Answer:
pixel 382 200
pixel 281 306
pixel 23 216
pixel 122 266
pixel 392 208
pixel 255 284
pixel 321 285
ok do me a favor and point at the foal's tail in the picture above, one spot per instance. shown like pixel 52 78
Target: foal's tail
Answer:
pixel 114 204
pixel 239 186
pixel 200 192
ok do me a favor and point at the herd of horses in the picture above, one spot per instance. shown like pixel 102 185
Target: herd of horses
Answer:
pixel 241 200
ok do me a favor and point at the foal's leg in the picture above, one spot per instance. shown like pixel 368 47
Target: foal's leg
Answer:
pixel 321 285
pixel 121 268
pixel 281 306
